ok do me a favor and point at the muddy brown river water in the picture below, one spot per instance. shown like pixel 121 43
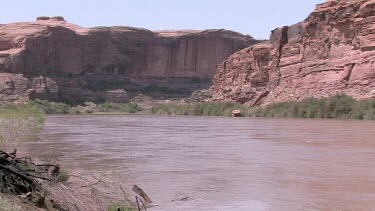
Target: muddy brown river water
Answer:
pixel 221 163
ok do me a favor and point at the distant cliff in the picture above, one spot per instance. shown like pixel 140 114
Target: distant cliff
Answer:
pixel 57 60
pixel 332 51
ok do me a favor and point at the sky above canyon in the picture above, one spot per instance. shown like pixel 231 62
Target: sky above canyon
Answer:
pixel 254 17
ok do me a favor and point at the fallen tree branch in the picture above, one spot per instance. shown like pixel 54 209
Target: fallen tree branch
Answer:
pixel 16 177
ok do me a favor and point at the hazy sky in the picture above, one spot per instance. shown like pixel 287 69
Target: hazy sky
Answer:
pixel 254 17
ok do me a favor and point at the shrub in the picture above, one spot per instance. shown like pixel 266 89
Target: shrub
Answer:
pixel 19 123
pixel 51 107
pixel 63 176
pixel 122 107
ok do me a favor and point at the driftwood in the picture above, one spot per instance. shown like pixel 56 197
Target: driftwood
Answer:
pixel 20 176
pixel 141 193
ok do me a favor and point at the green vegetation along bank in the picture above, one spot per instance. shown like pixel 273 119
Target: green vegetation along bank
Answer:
pixel 336 107
pixel 19 123
pixel 87 108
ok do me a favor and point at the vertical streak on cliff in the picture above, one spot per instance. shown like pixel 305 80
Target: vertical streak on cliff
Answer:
pixel 147 58
pixel 195 54
pixel 302 59
pixel 163 57
pixel 209 59
pixel 186 51
pixel 283 41
pixel 350 70
pixel 169 61
pixel 83 55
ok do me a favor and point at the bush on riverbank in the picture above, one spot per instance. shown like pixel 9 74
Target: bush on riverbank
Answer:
pixel 198 109
pixel 87 108
pixel 19 123
pixel 119 107
pixel 336 107
pixel 51 107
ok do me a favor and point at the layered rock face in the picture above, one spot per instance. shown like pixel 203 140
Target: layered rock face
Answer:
pixel 65 58
pixel 331 52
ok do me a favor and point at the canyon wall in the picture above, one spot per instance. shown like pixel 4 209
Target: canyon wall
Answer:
pixel 62 61
pixel 331 52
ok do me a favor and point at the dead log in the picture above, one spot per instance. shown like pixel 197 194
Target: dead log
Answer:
pixel 15 177
pixel 141 193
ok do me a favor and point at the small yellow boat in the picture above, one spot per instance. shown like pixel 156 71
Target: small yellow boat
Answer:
pixel 236 113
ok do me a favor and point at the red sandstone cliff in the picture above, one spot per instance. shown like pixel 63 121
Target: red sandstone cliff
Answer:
pixel 332 51
pixel 59 60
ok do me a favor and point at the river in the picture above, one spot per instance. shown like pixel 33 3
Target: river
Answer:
pixel 218 163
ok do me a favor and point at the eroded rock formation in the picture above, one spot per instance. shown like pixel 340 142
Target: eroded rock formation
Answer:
pixel 332 51
pixel 61 60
